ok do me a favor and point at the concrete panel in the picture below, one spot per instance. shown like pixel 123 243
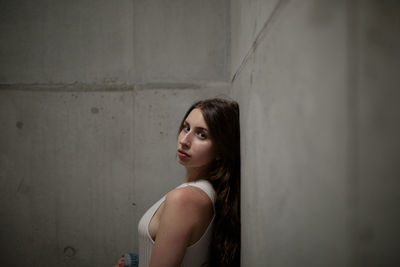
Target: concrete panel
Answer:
pixel 158 113
pixel 294 119
pixel 181 41
pixel 66 174
pixel 379 130
pixel 66 41
pixel 114 42
pixel 75 175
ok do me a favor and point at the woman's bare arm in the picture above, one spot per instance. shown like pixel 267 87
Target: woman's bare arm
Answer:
pixel 184 210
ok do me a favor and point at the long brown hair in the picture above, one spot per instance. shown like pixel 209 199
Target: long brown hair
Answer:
pixel 222 118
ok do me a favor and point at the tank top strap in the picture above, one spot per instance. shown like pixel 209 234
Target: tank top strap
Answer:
pixel 204 185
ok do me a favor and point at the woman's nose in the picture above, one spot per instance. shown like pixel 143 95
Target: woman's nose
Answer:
pixel 185 140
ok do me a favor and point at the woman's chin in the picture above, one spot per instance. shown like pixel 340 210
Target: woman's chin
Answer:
pixel 180 161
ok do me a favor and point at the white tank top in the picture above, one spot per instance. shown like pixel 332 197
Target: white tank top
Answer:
pixel 197 254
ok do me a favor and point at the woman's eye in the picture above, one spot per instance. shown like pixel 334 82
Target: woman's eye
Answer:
pixel 186 128
pixel 202 135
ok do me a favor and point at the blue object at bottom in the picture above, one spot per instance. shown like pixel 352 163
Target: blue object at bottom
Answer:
pixel 131 260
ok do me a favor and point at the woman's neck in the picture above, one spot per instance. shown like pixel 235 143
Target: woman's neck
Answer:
pixel 195 174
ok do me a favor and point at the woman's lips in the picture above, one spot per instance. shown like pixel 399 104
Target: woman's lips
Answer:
pixel 183 154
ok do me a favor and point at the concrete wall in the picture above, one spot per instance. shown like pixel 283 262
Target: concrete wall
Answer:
pixel 65 42
pixel 316 85
pixel 67 177
pixel 377 149
pixel 91 94
pixel 180 40
pixel 115 42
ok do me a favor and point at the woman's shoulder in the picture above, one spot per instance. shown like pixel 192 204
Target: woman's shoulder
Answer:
pixel 204 186
pixel 189 196
pixel 189 207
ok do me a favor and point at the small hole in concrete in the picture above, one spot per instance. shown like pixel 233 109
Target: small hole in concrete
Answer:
pixel 20 124
pixel 69 251
pixel 95 110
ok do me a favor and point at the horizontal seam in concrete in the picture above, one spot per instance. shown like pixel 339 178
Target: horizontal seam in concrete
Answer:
pixel 73 87
pixel 182 85
pixel 261 34
pixel 81 87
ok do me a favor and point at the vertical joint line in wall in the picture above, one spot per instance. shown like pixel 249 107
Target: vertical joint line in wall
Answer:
pixel 353 22
pixel 133 110
pixel 133 154
pixel 133 37
pixel 228 39
pixel 260 36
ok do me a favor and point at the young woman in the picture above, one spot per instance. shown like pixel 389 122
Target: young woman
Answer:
pixel 198 223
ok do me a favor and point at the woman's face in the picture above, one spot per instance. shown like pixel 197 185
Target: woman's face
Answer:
pixel 195 147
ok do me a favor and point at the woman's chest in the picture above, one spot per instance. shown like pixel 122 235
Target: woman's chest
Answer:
pixel 155 221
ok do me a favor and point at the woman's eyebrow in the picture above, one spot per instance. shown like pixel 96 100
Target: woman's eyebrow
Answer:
pixel 201 128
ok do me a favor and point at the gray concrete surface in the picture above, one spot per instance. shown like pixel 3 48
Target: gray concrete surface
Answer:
pixel 88 115
pixel 66 42
pixel 320 176
pixel 248 18
pixel 79 168
pixel 67 177
pixel 378 131
pixel 292 92
pixel 181 40
pixel 113 41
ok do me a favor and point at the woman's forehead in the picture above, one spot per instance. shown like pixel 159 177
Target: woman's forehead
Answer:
pixel 196 118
